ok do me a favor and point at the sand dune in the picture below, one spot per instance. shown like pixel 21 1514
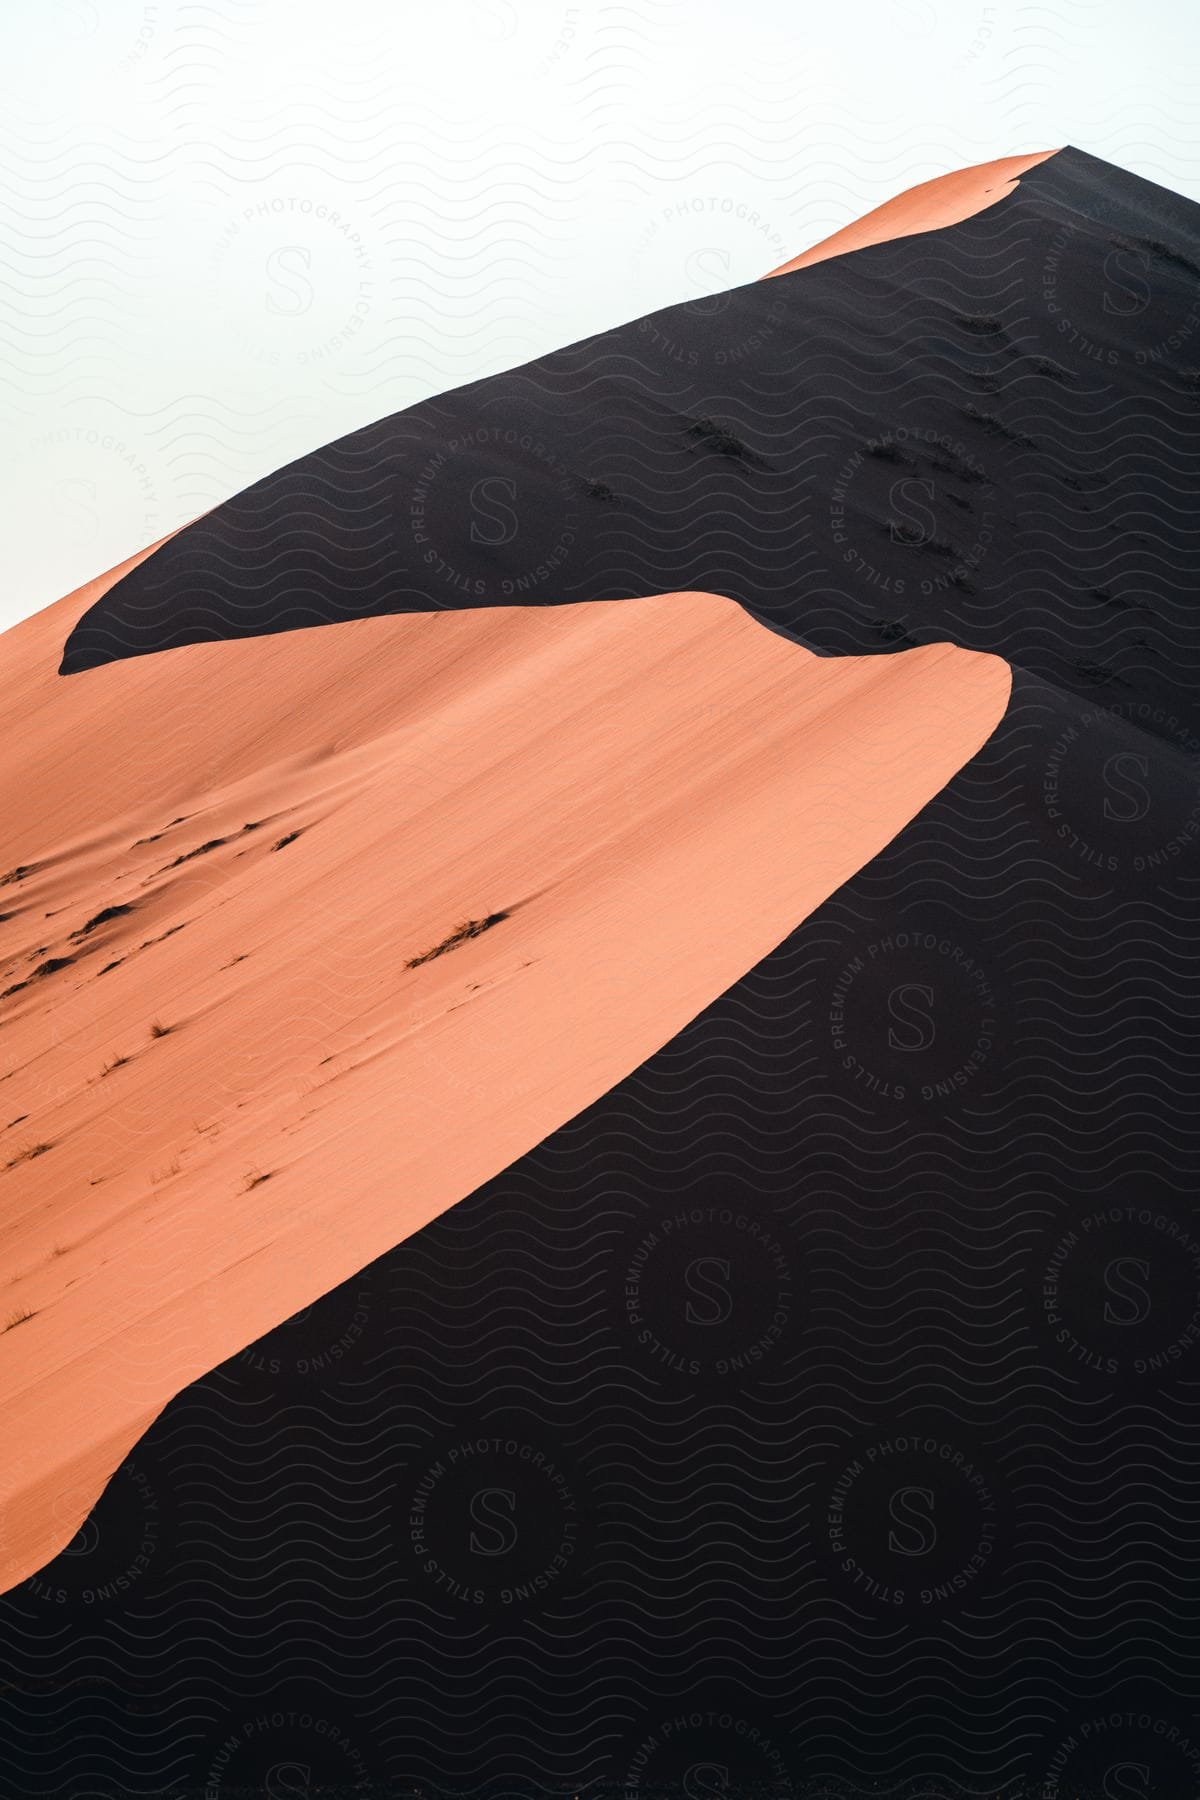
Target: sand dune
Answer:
pixel 945 1202
pixel 266 853
pixel 104 1147
pixel 946 200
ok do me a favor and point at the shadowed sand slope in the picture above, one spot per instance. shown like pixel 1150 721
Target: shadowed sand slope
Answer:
pixel 955 1099
pixel 306 937
pixel 946 200
pixel 985 433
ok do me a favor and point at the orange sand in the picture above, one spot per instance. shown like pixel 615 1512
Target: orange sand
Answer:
pixel 946 200
pixel 658 789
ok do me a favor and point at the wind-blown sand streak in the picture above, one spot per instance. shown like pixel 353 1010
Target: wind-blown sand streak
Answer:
pixel 234 1071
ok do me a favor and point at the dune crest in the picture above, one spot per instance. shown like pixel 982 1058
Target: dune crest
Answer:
pixel 307 936
pixel 946 200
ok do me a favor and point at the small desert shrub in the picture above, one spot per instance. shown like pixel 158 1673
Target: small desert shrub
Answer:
pixel 980 325
pixel 27 1154
pixel 101 918
pixel 1168 254
pixel 715 436
pixel 200 850
pixel 469 928
pixel 51 966
pixel 997 428
pixel 158 1029
pixel 887 453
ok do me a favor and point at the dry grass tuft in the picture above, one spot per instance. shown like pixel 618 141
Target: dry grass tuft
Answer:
pixel 27 1154
pixel 470 928
pixel 101 918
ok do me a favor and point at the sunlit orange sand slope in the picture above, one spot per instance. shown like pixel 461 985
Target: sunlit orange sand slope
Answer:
pixel 946 200
pixel 247 1045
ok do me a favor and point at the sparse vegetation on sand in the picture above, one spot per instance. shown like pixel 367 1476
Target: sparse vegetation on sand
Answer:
pixel 1168 253
pixel 18 1318
pixel 884 451
pixel 158 1029
pixel 200 850
pixel 153 839
pixel 997 428
pixel 715 436
pixel 51 966
pixel 101 918
pixel 470 928
pixel 980 324
pixel 27 1154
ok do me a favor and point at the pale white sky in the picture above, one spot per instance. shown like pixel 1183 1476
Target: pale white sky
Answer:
pixel 233 229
